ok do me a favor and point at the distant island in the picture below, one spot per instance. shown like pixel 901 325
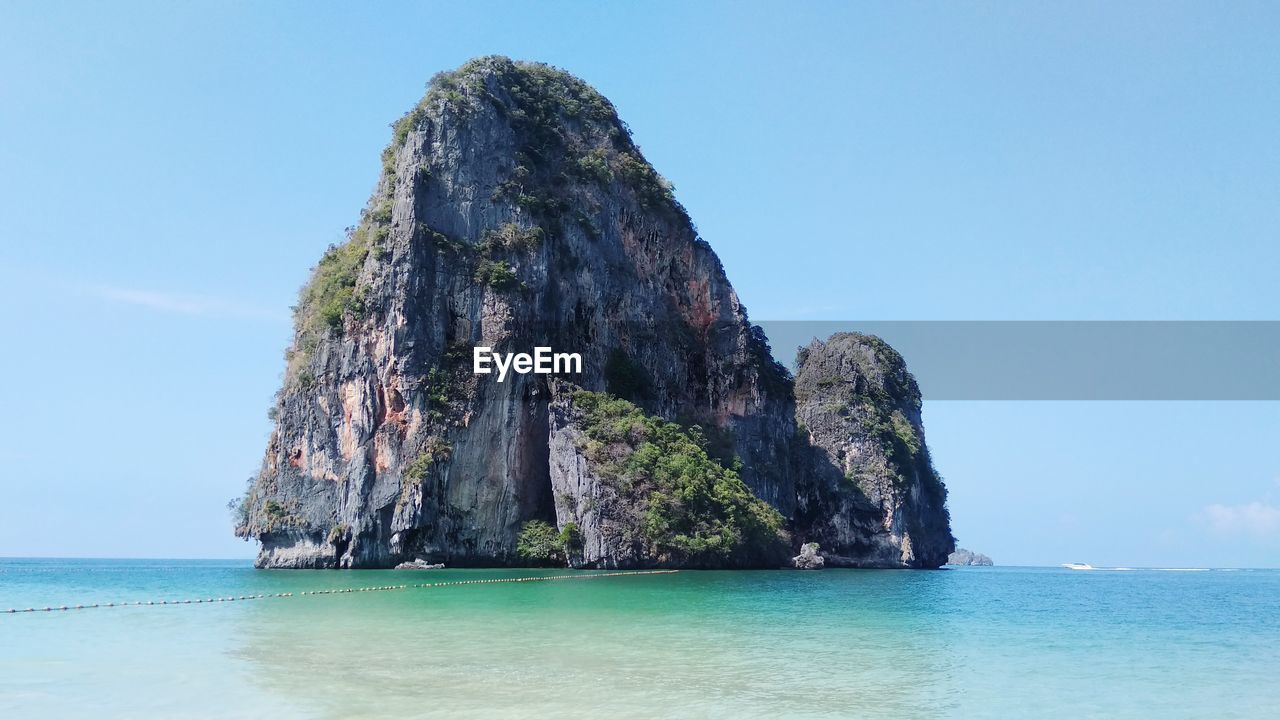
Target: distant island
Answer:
pixel 968 557
pixel 513 212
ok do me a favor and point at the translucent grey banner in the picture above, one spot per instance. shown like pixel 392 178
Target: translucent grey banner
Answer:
pixel 1069 360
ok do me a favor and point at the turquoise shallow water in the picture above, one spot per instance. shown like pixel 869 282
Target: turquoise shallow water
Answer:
pixel 956 643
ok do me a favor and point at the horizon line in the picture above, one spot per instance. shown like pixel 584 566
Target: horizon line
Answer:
pixel 1114 568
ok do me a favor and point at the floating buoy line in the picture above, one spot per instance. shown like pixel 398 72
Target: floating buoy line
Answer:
pixel 338 591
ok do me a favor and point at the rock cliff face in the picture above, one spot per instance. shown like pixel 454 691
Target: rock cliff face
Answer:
pixel 872 496
pixel 513 211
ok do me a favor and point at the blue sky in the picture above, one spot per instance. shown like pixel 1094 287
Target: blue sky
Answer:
pixel 170 171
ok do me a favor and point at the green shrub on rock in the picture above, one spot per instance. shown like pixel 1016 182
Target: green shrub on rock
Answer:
pixel 693 509
pixel 497 274
pixel 510 236
pixel 434 450
pixel 539 543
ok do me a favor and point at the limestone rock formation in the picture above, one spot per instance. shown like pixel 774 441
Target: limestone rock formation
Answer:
pixel 871 496
pixel 514 211
pixel 419 564
pixel 808 559
pixel 968 557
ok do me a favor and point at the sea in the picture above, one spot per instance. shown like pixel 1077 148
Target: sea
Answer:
pixel 969 642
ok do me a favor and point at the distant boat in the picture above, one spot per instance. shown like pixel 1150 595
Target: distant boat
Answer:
pixel 1077 566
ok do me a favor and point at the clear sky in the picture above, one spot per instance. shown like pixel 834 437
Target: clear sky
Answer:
pixel 170 171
